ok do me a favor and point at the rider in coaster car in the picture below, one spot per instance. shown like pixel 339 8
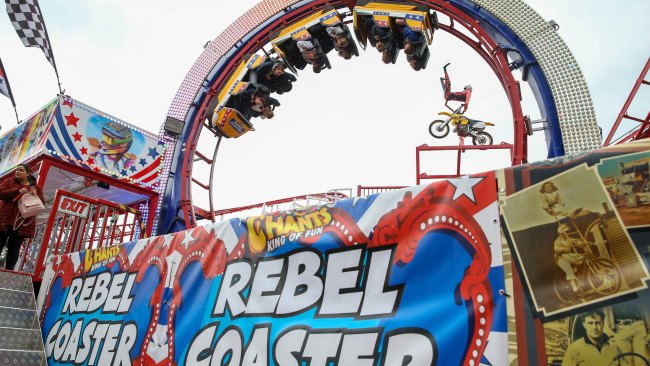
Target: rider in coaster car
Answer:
pixel 382 39
pixel 272 74
pixel 463 96
pixel 342 43
pixel 254 101
pixel 312 54
pixel 415 48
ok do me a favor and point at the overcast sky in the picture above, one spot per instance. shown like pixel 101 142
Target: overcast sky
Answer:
pixel 357 124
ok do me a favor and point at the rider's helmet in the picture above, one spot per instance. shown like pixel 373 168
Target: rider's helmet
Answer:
pixel 468 87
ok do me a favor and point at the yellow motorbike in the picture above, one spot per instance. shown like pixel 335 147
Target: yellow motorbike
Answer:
pixel 463 126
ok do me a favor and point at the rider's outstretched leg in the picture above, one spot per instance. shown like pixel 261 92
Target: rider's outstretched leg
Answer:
pixel 446 83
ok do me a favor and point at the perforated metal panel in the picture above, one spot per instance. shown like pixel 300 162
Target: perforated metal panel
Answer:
pixel 572 98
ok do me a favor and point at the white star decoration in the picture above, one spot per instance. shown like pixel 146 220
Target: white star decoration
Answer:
pixel 167 240
pixel 464 186
pixel 357 199
pixel 187 239
pixel 158 349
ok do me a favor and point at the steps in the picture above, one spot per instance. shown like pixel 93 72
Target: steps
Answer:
pixel 20 331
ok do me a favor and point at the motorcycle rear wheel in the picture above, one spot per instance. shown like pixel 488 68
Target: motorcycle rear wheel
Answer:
pixel 439 129
pixel 482 138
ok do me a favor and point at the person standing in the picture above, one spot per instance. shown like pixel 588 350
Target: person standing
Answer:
pixel 13 230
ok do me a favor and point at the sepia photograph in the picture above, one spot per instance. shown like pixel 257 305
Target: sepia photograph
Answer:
pixel 570 242
pixel 627 181
pixel 615 335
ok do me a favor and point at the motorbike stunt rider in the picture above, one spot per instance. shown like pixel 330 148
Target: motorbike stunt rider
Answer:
pixel 462 96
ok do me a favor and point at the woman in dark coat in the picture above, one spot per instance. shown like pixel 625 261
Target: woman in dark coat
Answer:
pixel 10 193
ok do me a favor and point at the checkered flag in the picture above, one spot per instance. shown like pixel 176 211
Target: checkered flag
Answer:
pixel 26 17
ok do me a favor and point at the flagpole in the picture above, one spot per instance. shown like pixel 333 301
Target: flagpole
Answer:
pixel 56 72
pixel 17 119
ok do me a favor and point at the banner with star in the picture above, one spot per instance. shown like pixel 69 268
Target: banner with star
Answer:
pixel 25 140
pixel 412 276
pixel 88 138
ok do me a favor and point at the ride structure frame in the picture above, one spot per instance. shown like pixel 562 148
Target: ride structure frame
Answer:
pixel 500 31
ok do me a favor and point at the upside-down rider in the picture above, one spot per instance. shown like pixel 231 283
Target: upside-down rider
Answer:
pixel 254 101
pixel 461 96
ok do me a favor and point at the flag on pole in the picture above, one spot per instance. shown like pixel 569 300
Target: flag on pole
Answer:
pixel 25 16
pixel 5 89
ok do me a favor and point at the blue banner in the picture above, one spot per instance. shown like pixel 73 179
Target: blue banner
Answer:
pixel 405 277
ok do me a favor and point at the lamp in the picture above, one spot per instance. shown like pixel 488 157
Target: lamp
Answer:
pixel 174 126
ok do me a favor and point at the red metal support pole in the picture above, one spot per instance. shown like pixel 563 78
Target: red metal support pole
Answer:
pixel 125 217
pixel 153 203
pixel 81 243
pixel 91 240
pixel 417 164
pixel 623 114
pixel 460 149
pixel 643 127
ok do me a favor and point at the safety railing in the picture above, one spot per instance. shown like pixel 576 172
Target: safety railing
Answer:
pixel 78 223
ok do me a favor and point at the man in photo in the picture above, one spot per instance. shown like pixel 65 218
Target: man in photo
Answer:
pixel 567 255
pixel 595 348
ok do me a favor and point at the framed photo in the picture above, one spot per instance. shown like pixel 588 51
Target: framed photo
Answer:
pixel 570 242
pixel 611 336
pixel 627 181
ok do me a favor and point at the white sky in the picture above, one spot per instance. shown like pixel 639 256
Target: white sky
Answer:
pixel 357 124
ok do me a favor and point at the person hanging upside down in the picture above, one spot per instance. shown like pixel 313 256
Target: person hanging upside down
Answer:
pixel 462 96
pixel 313 54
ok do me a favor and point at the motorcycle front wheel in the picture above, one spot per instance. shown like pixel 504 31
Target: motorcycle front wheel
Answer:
pixel 482 138
pixel 439 129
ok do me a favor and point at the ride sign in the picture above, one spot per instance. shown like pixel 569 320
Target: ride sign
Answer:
pixel 73 207
pixel 404 277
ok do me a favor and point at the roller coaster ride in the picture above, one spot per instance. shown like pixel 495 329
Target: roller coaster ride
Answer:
pixel 507 38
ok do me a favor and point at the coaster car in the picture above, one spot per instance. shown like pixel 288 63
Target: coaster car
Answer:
pixel 229 122
pixel 392 24
pixel 314 29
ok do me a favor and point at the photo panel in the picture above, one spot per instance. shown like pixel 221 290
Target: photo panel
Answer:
pixel 611 335
pixel 627 181
pixel 570 242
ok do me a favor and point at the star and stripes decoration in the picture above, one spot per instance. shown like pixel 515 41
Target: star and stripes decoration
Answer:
pixel 27 19
pixel 69 140
pixel 477 195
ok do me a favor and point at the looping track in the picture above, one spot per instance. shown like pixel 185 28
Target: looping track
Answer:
pixel 521 33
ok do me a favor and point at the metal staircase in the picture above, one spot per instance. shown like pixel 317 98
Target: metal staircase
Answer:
pixel 20 331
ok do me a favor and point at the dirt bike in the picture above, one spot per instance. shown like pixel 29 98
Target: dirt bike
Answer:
pixel 463 126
